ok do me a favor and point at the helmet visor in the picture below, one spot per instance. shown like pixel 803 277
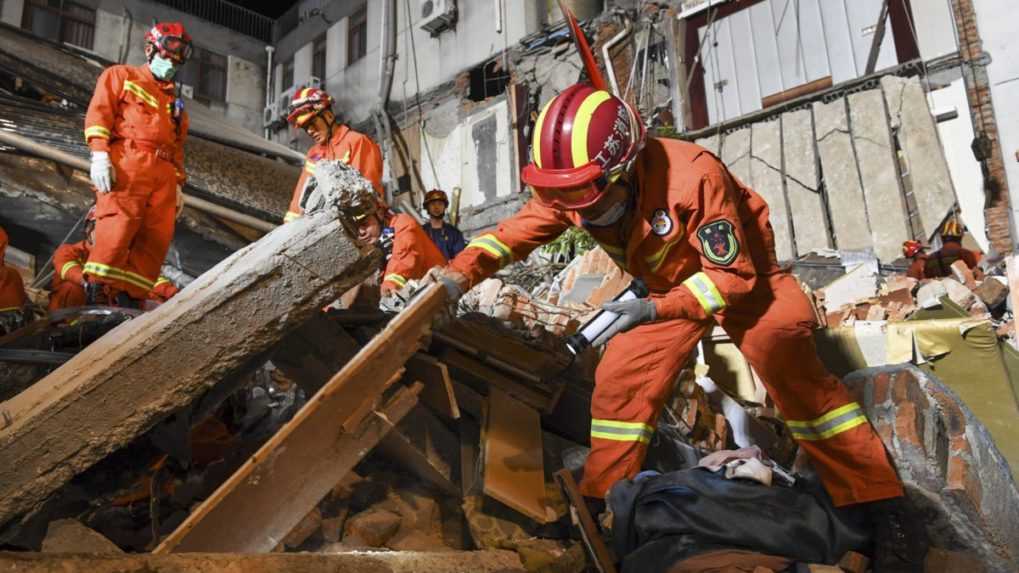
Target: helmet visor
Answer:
pixel 566 188
pixel 174 47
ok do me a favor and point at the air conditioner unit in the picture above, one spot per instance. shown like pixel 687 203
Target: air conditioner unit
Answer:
pixel 270 114
pixel 437 15
pixel 187 91
pixel 283 101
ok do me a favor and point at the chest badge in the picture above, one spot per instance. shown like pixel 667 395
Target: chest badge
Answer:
pixel 661 223
pixel 718 242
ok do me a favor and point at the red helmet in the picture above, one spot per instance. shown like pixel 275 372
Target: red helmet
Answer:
pixel 911 249
pixel 170 40
pixel 436 195
pixel 306 104
pixel 584 139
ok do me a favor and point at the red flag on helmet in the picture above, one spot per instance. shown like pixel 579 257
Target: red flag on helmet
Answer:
pixel 590 65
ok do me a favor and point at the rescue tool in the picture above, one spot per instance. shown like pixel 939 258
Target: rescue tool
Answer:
pixel 589 334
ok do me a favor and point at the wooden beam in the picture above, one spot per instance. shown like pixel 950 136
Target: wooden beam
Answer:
pixel 438 393
pixel 469 370
pixel 425 448
pixel 291 473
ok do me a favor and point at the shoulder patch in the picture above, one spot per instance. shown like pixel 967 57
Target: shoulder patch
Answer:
pixel 718 242
pixel 661 223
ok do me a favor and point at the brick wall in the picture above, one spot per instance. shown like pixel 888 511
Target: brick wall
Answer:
pixel 978 92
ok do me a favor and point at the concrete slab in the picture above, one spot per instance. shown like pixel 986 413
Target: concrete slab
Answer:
pixel 841 177
pixel 766 174
pixel 151 366
pixel 736 154
pixel 712 144
pixel 352 562
pixel 880 178
pixel 918 138
pixel 801 186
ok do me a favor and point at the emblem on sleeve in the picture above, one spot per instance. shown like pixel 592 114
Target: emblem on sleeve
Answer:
pixel 661 223
pixel 718 242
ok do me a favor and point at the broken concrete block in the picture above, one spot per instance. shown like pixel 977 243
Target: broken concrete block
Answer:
pixel 122 384
pixel 841 176
pixel 373 527
pixel 900 282
pixel 332 527
pixel 952 470
pixel 859 283
pixel 70 536
pixel 991 292
pixel 963 274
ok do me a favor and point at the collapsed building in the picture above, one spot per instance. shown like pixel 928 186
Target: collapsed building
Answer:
pixel 280 429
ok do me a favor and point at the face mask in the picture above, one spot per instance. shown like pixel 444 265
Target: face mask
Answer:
pixel 162 68
pixel 610 217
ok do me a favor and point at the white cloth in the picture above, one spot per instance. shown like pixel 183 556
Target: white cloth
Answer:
pixel 180 202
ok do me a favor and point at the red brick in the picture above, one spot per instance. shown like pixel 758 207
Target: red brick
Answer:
pixel 963 479
pixel 880 385
pixel 908 425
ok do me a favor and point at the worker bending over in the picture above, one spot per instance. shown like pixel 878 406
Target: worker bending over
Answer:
pixel 135 127
pixel 939 263
pixel 312 110
pixel 670 213
pixel 12 292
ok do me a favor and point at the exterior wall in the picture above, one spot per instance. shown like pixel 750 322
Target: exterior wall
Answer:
pixel 987 32
pixel 11 13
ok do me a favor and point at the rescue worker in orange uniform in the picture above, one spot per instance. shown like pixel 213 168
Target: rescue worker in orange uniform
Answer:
pixel 670 213
pixel 135 127
pixel 939 263
pixel 311 110
pixel 914 251
pixel 69 283
pixel 12 292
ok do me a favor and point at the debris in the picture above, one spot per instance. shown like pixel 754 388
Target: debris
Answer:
pixel 70 536
pixel 304 529
pixel 992 292
pixel 371 528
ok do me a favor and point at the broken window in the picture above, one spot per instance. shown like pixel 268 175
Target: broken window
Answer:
pixel 487 80
pixel 60 21
pixel 357 35
pixel 318 58
pixel 207 72
pixel 288 75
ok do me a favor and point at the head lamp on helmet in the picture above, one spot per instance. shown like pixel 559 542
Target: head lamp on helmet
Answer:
pixel 306 104
pixel 584 139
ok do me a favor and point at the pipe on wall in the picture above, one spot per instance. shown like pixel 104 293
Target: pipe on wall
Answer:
pixel 607 58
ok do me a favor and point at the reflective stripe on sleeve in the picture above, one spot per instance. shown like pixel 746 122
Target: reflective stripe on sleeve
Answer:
pixel 97 131
pixel 493 246
pixel 621 431
pixel 68 266
pixel 706 293
pixel 831 424
pixel 291 216
pixel 395 278
pixel 309 167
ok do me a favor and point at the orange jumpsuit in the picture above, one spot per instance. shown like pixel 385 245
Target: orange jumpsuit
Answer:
pixel 413 253
pixel 163 291
pixel 346 145
pixel 939 263
pixel 12 287
pixel 703 244
pixel 131 117
pixel 68 263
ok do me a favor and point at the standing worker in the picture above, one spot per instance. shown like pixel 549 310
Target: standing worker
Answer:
pixel 448 238
pixel 12 292
pixel 135 127
pixel 312 110
pixel 670 213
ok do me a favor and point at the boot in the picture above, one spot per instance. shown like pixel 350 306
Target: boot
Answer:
pixel 94 293
pixel 900 536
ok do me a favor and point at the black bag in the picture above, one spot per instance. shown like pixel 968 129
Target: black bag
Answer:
pixel 661 519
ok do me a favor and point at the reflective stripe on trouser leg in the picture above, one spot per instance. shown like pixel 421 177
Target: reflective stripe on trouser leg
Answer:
pixel 621 431
pixel 833 423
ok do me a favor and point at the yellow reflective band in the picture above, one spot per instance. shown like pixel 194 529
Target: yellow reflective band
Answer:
pixel 309 167
pixel 621 431
pixel 106 271
pixel 706 293
pixel 581 123
pixel 346 157
pixel 536 138
pixel 492 245
pixel 68 266
pixel 161 281
pixel 10 308
pixel 395 278
pixel 141 93
pixel 97 131
pixel 658 258
pixel 291 216
pixel 830 424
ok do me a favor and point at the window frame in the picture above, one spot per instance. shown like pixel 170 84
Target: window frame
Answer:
pixel 357 22
pixel 64 15
pixel 318 57
pixel 287 69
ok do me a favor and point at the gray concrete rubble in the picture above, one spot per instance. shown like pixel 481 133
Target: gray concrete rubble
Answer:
pixel 162 361
pixel 349 562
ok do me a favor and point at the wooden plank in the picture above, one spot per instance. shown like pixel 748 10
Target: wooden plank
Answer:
pixel 841 176
pixel 589 533
pixel 314 353
pixel 910 117
pixel 795 92
pixel 284 480
pixel 424 447
pixel 160 362
pixel 799 156
pixel 514 464
pixel 766 174
pixel 470 444
pixel 438 393
pixel 473 372
pixel 878 173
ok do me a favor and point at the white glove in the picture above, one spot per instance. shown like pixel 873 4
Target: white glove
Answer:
pixel 101 172
pixel 631 313
pixel 454 282
pixel 180 202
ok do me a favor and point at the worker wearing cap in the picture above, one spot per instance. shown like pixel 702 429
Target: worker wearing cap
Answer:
pixel 448 238
pixel 69 284
pixel 12 292
pixel 135 127
pixel 939 263
pixel 670 213
pixel 311 109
